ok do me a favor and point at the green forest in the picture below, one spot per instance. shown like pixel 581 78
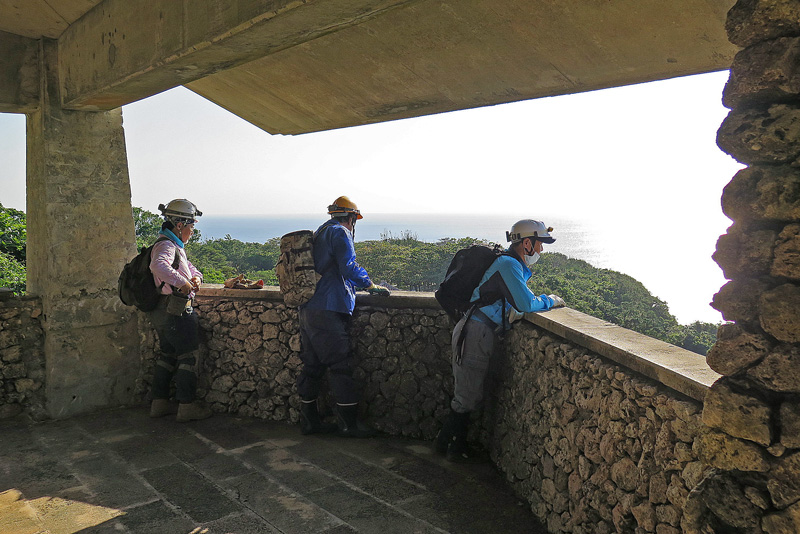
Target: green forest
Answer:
pixel 406 263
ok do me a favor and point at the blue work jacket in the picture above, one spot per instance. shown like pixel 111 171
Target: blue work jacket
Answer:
pixel 509 276
pixel 335 260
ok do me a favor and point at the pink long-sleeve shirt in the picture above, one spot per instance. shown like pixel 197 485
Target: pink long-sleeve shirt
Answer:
pixel 161 260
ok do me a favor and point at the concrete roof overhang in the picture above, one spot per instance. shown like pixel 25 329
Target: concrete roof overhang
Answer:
pixel 298 66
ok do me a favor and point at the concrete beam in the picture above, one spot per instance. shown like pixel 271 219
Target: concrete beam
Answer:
pixel 19 73
pixel 126 50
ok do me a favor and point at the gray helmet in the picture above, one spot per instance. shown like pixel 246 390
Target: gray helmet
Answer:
pixel 529 228
pixel 180 210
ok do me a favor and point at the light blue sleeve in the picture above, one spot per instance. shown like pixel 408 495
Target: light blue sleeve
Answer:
pixel 517 282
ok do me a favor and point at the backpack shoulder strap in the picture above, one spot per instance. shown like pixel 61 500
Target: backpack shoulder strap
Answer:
pixel 317 233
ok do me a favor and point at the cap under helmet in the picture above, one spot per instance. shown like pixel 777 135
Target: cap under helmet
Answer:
pixel 180 210
pixel 530 228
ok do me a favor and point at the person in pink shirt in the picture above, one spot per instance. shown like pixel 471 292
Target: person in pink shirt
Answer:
pixel 175 319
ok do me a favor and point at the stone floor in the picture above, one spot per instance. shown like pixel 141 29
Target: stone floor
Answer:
pixel 120 471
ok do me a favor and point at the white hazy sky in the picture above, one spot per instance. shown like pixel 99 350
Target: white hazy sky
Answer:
pixel 640 160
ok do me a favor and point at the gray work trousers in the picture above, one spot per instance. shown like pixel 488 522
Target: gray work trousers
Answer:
pixel 476 353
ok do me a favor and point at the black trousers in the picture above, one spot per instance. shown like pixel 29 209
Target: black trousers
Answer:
pixel 178 336
pixel 325 345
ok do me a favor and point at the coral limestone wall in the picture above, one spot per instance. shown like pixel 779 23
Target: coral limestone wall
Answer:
pixel 592 445
pixel 754 411
pixel 21 358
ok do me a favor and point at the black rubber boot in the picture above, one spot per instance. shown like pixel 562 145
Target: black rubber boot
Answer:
pixel 445 436
pixel 459 451
pixel 349 425
pixel 311 422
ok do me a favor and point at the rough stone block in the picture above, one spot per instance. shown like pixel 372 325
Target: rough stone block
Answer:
pixel 736 350
pixel 742 253
pixel 765 73
pixel 725 497
pixel 779 370
pixel 789 414
pixel 752 21
pixel 786 260
pixel 784 522
pixel 738 300
pixel 769 136
pixel 750 419
pixel 763 193
pixel 722 451
pixel 625 474
pixel 780 312
pixel 784 482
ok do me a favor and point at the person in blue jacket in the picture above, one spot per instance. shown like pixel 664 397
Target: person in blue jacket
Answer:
pixel 505 286
pixel 324 321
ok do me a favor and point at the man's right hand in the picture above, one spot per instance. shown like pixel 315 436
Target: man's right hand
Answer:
pixel 514 315
pixel 558 302
pixel 378 290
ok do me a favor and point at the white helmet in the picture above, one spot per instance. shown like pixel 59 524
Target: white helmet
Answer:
pixel 180 210
pixel 529 228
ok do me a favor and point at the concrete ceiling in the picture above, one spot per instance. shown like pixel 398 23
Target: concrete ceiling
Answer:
pixel 293 67
pixel 41 18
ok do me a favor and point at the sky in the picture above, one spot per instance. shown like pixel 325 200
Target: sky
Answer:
pixel 640 162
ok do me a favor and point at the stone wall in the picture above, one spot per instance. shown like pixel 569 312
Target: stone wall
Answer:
pixel 248 362
pixel 22 374
pixel 592 445
pixel 754 410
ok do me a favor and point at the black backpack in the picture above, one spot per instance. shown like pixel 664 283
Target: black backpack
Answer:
pixel 136 286
pixel 463 276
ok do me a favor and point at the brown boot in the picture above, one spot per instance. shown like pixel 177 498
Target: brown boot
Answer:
pixel 162 407
pixel 192 411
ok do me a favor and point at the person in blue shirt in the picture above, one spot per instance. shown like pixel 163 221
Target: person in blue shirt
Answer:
pixel 505 286
pixel 324 322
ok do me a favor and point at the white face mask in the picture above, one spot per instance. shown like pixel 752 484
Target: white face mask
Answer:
pixel 530 260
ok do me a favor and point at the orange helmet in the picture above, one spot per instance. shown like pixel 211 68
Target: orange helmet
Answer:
pixel 343 206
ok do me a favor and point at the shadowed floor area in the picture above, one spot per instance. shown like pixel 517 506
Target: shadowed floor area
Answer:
pixel 120 471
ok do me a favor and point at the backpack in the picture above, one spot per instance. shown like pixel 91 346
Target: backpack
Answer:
pixel 136 286
pixel 295 269
pixel 463 276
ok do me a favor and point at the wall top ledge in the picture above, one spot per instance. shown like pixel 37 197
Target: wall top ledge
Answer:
pixel 680 369
pixel 397 299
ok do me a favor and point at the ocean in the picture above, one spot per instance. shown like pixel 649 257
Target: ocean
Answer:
pixel 682 275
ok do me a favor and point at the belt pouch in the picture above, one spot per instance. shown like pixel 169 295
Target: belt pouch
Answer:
pixel 176 304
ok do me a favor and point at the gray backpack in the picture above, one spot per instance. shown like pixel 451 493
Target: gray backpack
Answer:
pixel 295 269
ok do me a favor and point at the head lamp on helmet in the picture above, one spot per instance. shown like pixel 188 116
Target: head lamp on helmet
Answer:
pixel 343 207
pixel 180 210
pixel 528 228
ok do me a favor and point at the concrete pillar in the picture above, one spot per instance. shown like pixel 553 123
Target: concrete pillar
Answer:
pixel 752 414
pixel 80 233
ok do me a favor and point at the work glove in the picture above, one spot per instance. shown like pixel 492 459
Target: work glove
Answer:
pixel 378 290
pixel 514 315
pixel 558 302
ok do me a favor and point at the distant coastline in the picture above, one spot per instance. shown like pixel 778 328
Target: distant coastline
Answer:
pixel 686 281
